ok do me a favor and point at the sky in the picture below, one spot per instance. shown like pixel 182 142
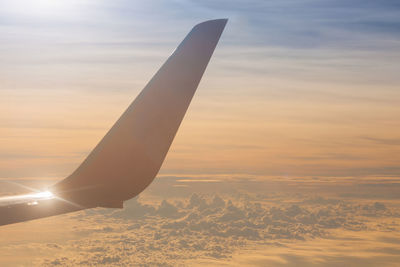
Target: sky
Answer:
pixel 298 94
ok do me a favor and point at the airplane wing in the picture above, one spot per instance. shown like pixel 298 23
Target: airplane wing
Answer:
pixel 130 155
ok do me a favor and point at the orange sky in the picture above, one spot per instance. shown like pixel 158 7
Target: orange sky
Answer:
pixel 244 123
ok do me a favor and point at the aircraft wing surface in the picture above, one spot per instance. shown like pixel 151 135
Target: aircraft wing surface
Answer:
pixel 130 155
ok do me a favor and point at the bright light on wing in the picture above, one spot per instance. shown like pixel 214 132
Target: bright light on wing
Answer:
pixel 44 195
pixel 28 198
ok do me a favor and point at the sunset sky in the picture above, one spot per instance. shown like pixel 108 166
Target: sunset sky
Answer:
pixel 297 92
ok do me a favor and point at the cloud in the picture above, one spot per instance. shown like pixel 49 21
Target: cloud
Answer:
pixel 383 141
pixel 135 210
pixel 213 227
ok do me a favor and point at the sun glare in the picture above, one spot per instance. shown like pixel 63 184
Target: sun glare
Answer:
pixel 39 195
pixel 45 194
pixel 27 197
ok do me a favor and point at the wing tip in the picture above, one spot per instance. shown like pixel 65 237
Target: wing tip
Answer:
pixel 213 23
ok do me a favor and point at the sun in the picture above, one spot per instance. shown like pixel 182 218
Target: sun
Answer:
pixel 39 8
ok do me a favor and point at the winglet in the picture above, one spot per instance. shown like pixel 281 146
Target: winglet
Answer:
pixel 130 155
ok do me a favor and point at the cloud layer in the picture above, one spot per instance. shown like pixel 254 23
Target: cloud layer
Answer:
pixel 211 227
